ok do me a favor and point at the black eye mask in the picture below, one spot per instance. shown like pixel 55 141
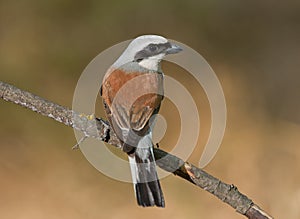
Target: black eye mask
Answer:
pixel 152 50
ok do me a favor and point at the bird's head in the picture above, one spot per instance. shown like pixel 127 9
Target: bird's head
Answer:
pixel 147 51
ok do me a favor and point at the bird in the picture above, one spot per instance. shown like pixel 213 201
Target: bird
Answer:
pixel 132 92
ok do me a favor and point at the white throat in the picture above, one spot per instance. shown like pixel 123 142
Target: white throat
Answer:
pixel 152 63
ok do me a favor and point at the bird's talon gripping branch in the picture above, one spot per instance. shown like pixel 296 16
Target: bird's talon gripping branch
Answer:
pixel 157 145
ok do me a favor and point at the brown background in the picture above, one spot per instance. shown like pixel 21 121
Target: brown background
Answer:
pixel 254 49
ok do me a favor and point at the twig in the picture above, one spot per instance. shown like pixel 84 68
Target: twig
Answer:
pixel 100 129
pixel 76 146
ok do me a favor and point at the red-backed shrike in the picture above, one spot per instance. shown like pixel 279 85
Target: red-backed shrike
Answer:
pixel 132 91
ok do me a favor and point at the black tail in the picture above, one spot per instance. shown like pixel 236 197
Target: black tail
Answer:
pixel 145 179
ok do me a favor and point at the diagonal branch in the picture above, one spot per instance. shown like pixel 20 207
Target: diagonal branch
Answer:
pixel 100 129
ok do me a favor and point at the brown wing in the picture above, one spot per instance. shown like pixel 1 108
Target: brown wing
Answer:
pixel 142 110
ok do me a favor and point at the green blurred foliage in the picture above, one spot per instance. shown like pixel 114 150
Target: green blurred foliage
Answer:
pixel 254 48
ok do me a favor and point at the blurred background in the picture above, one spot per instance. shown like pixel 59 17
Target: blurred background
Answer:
pixel 254 48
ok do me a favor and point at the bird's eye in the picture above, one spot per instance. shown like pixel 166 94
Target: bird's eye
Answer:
pixel 152 48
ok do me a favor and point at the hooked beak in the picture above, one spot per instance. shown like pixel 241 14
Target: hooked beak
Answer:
pixel 173 49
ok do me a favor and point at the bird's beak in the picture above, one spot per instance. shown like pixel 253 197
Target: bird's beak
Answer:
pixel 173 49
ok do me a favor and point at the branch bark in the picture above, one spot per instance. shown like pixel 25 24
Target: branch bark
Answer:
pixel 100 129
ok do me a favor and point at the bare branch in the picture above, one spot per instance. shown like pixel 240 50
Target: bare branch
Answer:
pixel 100 129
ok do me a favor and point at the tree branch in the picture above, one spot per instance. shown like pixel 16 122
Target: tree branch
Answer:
pixel 100 129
